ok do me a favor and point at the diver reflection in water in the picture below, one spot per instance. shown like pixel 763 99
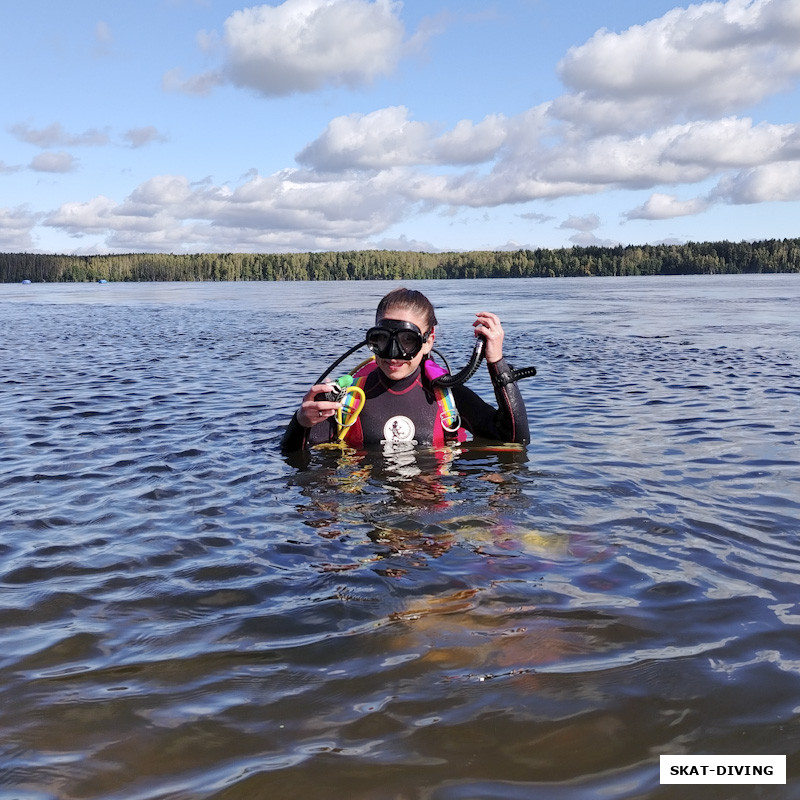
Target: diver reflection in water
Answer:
pixel 401 397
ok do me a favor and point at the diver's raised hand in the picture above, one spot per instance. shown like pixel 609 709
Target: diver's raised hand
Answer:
pixel 488 325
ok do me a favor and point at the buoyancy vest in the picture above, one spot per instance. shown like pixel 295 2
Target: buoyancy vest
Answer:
pixel 446 422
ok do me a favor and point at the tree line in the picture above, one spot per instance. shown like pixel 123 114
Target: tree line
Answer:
pixel 775 255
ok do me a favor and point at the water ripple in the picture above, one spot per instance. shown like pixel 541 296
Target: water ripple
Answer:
pixel 188 614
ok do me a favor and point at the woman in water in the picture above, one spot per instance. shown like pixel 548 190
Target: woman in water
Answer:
pixel 401 405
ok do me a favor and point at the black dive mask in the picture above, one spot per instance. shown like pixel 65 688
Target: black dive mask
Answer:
pixel 392 338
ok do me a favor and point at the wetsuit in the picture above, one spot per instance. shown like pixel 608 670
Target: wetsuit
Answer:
pixel 407 411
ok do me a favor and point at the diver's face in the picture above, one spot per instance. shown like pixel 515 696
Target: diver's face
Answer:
pixel 398 368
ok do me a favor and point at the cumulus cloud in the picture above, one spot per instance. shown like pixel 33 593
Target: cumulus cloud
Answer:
pixel 54 162
pixel 79 218
pixel 588 239
pixel 667 206
pixel 16 225
pixel 305 45
pixel 589 222
pixel 527 164
pixel 404 243
pixel 585 227
pixel 504 186
pixel 732 142
pixel 289 210
pixel 707 59
pixel 686 153
pixel 381 139
pixel 473 143
pixel 388 137
pixel 618 161
pixel 302 45
pixel 55 135
pixel 778 182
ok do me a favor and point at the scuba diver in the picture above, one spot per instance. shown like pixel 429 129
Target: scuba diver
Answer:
pixel 402 396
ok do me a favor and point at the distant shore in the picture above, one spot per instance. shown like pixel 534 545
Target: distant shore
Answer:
pixel 708 258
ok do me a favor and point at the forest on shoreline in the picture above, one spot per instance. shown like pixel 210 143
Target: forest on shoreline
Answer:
pixel 775 255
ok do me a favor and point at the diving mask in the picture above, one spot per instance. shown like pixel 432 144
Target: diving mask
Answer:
pixel 393 338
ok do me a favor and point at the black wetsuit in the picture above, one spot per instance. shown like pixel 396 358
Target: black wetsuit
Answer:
pixel 407 411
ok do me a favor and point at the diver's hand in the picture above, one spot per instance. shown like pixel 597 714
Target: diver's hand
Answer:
pixel 488 325
pixel 313 411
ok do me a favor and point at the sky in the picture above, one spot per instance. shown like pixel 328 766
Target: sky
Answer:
pixel 185 126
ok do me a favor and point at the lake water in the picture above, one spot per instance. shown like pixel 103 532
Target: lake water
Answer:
pixel 188 614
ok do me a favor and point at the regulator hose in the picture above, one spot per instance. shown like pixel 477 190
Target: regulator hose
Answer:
pixel 339 360
pixel 448 381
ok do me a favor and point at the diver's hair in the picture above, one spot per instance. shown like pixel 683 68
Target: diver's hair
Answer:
pixel 410 300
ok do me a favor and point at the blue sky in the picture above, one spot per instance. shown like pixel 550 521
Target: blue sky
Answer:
pixel 221 126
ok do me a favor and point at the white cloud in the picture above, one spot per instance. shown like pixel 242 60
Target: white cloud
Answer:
pixel 472 143
pixel 79 218
pixel 588 239
pixel 389 138
pixel 534 217
pixel 304 45
pixel 667 206
pixel 290 210
pixel 732 142
pixel 139 137
pixel 778 182
pixel 55 135
pixel 16 225
pixel 404 243
pixel 685 153
pixel 590 222
pixel 162 191
pixel 703 60
pixel 53 162
pixel 617 161
pixel 198 85
pixel 381 139
pixel 536 166
pixel 508 183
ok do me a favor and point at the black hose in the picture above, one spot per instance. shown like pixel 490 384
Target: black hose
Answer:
pixel 338 361
pixel 441 355
pixel 448 381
